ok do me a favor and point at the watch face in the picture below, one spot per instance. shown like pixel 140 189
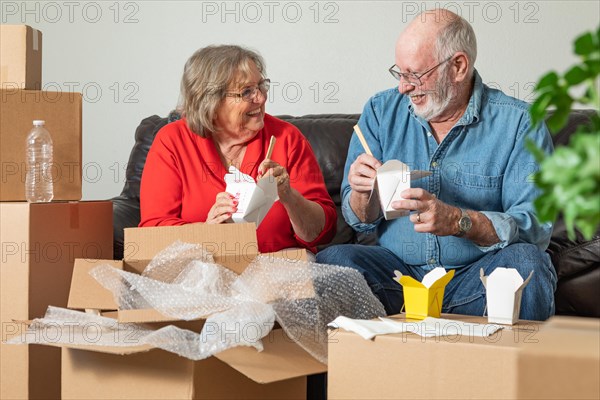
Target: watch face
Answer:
pixel 465 224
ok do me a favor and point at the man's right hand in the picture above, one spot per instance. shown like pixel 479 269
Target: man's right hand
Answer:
pixel 362 173
pixel 360 177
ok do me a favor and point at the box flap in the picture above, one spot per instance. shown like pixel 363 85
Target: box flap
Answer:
pixel 232 245
pixel 443 281
pixel 147 316
pixel 558 322
pixel 409 281
pixel 281 359
pixel 504 279
pixel 483 278
pixel 119 350
pixel 86 292
pixel 525 282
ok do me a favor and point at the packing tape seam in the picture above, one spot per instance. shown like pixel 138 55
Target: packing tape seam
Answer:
pixel 35 39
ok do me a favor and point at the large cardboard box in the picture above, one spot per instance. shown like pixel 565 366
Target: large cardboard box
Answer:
pixel 62 113
pixel 564 363
pixel 88 372
pixel 412 367
pixel 20 57
pixel 39 245
pixel 557 359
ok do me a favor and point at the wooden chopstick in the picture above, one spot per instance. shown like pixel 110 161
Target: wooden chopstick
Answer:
pixel 271 146
pixel 362 140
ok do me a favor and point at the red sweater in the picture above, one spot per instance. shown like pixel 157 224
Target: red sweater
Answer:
pixel 183 175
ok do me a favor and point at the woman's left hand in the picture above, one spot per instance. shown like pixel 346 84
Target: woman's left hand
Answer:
pixel 272 168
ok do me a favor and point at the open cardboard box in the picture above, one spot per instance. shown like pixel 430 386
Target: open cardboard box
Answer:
pixel 279 371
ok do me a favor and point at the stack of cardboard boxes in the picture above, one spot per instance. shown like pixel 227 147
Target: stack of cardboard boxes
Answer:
pixel 47 250
pixel 39 241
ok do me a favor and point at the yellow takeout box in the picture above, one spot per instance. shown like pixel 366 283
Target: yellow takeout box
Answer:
pixel 424 299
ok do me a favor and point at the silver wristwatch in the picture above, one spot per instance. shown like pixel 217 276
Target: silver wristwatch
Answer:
pixel 464 223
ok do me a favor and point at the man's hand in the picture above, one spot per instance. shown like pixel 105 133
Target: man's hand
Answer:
pixel 362 173
pixel 360 177
pixel 432 215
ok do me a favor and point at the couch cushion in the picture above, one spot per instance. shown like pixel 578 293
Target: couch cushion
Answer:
pixel 329 136
pixel 144 136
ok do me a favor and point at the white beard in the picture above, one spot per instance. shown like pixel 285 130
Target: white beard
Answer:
pixel 438 100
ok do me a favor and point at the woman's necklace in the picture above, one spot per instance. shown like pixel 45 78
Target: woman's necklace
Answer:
pixel 235 160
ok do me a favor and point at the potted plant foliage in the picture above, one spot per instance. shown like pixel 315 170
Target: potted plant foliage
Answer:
pixel 569 179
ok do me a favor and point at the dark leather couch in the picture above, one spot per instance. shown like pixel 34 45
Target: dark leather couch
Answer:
pixel 577 262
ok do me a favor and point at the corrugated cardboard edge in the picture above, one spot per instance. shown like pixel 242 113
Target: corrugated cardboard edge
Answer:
pixel 232 245
pixel 86 292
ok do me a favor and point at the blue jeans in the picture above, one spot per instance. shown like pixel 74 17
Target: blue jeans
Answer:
pixel 465 294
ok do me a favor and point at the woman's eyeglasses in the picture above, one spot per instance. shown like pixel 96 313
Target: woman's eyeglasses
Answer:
pixel 249 93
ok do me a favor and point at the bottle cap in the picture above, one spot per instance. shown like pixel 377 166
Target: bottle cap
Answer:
pixel 39 122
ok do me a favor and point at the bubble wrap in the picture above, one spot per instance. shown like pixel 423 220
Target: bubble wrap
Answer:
pixel 183 282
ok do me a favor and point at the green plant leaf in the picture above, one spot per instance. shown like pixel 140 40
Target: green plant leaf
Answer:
pixel 593 65
pixel 576 75
pixel 548 80
pixel 569 179
pixel 584 44
pixel 559 118
pixel 538 108
pixel 538 153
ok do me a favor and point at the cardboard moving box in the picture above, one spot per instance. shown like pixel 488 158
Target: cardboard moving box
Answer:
pixel 39 244
pixel 557 359
pixel 139 371
pixel 20 57
pixel 565 361
pixel 62 113
pixel 409 366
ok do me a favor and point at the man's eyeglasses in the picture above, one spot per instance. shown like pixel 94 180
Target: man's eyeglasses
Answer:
pixel 411 77
pixel 249 93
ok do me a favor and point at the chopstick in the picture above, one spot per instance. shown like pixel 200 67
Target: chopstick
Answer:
pixel 271 146
pixel 362 140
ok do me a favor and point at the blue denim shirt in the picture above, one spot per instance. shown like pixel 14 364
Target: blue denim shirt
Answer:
pixel 482 164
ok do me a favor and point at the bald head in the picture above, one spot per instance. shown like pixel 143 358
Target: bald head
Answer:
pixel 439 34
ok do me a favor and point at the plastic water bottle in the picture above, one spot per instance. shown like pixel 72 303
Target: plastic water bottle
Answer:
pixel 38 182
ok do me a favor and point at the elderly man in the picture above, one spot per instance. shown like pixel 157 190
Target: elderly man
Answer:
pixel 475 210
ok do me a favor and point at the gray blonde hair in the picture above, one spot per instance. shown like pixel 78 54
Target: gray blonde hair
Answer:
pixel 206 77
pixel 457 35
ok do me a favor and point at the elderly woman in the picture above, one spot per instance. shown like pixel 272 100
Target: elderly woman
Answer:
pixel 224 91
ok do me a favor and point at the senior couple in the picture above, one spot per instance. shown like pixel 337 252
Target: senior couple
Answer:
pixel 474 211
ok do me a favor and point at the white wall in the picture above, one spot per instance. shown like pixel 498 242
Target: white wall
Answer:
pixel 323 57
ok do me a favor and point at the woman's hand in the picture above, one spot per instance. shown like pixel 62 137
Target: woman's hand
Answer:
pixel 307 217
pixel 225 205
pixel 271 168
